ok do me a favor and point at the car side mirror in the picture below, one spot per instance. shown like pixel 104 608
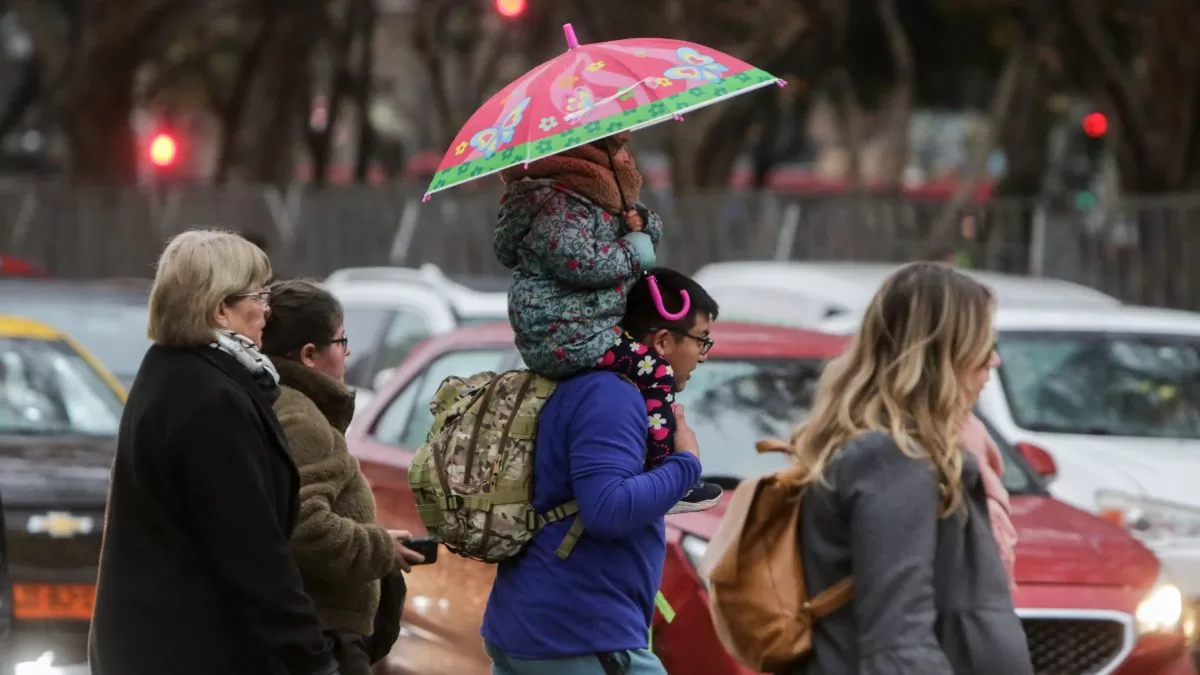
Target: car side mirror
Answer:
pixel 1039 460
pixel 382 378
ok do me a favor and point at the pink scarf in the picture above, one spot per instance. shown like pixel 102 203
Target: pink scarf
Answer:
pixel 975 439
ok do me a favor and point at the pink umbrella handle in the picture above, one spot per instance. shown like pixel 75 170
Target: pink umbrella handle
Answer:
pixel 662 309
pixel 572 41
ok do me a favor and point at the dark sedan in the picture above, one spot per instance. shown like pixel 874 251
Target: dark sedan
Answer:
pixel 59 413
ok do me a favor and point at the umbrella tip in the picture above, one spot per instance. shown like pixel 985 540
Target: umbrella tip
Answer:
pixel 569 32
pixel 781 82
pixel 426 198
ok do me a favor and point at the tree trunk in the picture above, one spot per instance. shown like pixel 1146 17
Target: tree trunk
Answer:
pixel 232 109
pixel 97 108
pixel 998 114
pixel 281 102
pixel 904 82
pixel 27 92
pixel 363 97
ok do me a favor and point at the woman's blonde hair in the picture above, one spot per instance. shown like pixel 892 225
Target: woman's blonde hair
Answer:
pixel 199 270
pixel 926 327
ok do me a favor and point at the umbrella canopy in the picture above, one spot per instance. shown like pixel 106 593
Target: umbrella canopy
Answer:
pixel 590 92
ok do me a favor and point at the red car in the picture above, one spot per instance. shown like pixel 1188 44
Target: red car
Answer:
pixel 1092 598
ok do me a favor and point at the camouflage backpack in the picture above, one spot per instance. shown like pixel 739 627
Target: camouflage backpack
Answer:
pixel 473 477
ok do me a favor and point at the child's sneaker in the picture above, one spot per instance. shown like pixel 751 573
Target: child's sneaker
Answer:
pixel 702 497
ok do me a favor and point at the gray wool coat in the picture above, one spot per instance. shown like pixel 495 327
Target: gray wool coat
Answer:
pixel 930 595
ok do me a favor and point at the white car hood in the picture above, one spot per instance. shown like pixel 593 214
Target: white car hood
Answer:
pixel 1160 468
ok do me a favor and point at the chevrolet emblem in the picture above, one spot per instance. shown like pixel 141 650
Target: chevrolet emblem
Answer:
pixel 60 525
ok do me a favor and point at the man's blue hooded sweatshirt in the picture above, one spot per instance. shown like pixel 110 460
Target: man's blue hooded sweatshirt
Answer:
pixel 591 447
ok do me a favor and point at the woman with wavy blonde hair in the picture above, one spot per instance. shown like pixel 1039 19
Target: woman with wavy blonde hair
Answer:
pixel 895 502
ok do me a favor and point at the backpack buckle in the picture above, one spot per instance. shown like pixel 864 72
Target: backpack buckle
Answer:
pixel 532 520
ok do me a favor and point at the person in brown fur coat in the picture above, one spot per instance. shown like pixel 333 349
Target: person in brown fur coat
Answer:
pixel 340 550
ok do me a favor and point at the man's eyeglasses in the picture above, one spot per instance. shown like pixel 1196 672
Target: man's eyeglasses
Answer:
pixel 344 341
pixel 706 343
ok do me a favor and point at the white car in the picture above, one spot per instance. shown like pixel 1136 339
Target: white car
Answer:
pixel 1104 402
pixel 389 310
pixel 804 294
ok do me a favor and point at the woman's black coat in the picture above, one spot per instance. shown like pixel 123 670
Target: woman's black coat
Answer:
pixel 195 573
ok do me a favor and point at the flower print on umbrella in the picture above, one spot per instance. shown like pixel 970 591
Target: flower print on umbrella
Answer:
pixel 548 123
pixel 661 82
pixel 697 67
pixel 489 140
pixel 462 147
pixel 595 65
pixel 544 147
pixel 581 99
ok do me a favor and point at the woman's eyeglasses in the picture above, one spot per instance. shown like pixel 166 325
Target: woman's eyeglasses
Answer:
pixel 263 297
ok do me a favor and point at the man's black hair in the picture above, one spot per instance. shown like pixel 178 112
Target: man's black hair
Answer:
pixel 302 312
pixel 642 317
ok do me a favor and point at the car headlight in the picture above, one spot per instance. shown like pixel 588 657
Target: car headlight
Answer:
pixel 1149 519
pixel 1161 611
pixel 694 548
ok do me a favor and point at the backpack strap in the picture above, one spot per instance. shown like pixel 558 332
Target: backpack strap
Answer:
pixel 829 600
pixel 536 521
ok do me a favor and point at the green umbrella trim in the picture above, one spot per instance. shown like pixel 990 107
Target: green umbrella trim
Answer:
pixel 641 116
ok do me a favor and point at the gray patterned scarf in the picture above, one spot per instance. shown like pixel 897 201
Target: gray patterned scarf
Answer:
pixel 244 351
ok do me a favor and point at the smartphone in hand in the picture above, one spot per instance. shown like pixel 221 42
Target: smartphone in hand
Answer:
pixel 425 546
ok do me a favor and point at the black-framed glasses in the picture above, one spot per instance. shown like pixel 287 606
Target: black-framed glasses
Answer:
pixel 706 343
pixel 344 341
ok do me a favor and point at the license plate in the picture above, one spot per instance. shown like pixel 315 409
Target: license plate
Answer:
pixel 41 602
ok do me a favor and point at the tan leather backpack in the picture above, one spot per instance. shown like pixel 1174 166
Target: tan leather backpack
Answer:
pixel 759 599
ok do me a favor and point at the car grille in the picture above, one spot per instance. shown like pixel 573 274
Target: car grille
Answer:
pixel 1070 646
pixel 40 555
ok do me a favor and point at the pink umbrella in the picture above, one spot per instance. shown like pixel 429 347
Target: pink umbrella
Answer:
pixel 589 92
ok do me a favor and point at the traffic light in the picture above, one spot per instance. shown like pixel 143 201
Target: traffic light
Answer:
pixel 1084 161
pixel 163 150
pixel 1095 125
pixel 510 9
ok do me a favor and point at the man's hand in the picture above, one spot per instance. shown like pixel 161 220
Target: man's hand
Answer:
pixel 405 557
pixel 685 438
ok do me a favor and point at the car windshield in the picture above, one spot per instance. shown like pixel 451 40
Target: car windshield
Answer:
pixel 115 333
pixel 363 326
pixel 733 403
pixel 1103 383
pixel 47 388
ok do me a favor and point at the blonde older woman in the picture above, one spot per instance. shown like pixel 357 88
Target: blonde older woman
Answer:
pixel 896 502
pixel 195 571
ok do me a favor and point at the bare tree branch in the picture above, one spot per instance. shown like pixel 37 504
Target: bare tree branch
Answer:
pixel 903 85
pixel 1019 58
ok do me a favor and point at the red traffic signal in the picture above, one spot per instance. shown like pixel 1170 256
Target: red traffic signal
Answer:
pixel 1095 125
pixel 510 8
pixel 163 150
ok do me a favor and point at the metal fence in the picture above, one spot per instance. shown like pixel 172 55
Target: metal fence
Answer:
pixel 1140 250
